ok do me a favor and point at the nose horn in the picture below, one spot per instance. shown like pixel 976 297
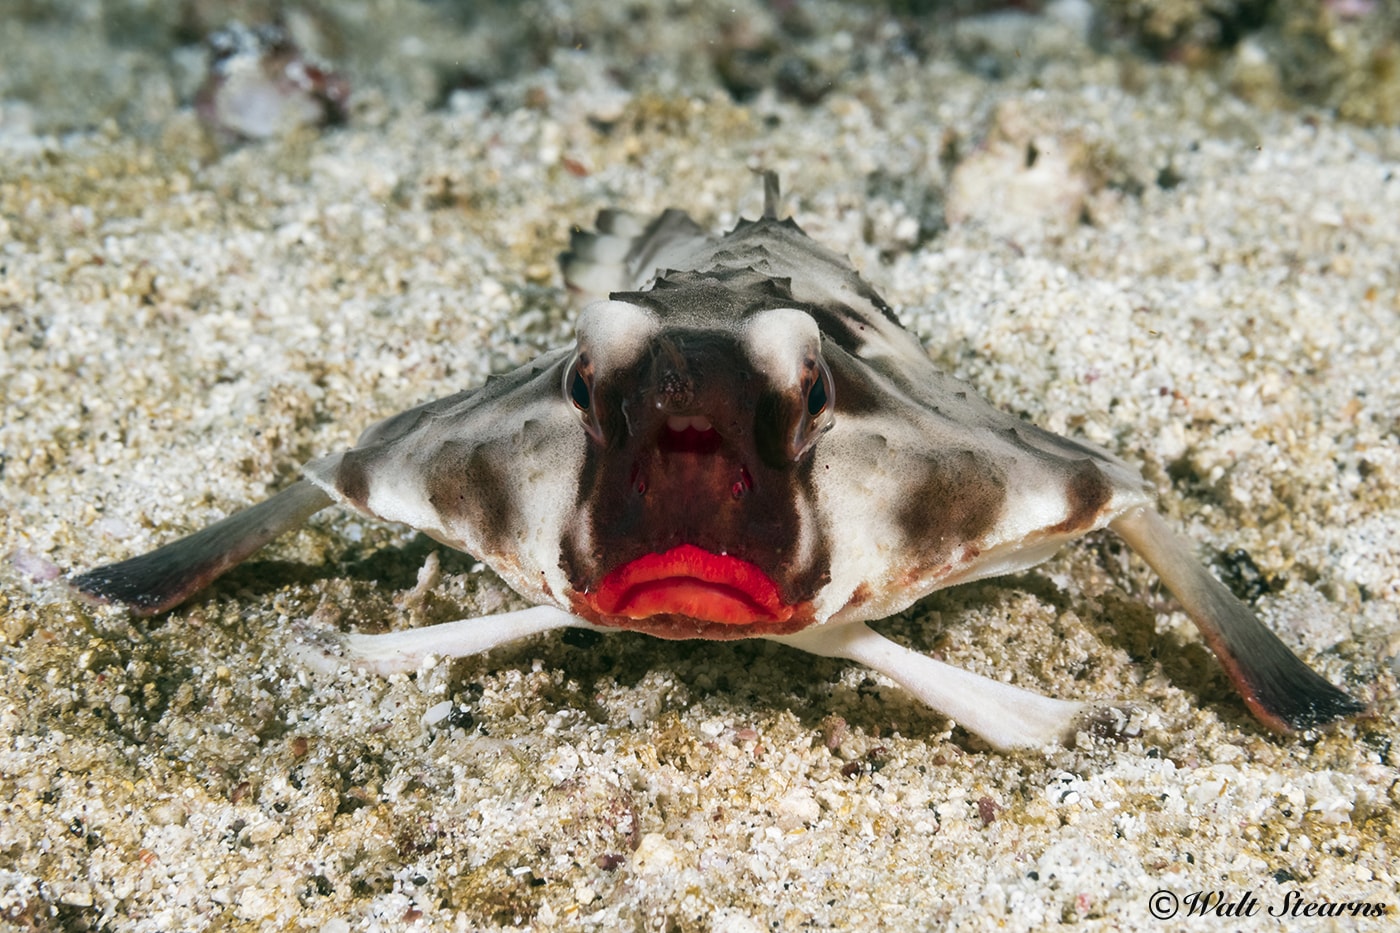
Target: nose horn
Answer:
pixel 675 392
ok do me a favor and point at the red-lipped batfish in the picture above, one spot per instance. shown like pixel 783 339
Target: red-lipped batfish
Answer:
pixel 743 442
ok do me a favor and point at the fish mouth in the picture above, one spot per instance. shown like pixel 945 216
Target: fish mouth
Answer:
pixel 694 434
pixel 691 583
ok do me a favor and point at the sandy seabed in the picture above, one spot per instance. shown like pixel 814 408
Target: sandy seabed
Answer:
pixel 1114 248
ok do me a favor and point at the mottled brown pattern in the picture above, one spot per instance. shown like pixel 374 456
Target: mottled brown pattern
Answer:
pixel 1087 492
pixel 352 477
pixel 842 325
pixel 468 486
pixel 954 498
pixel 862 594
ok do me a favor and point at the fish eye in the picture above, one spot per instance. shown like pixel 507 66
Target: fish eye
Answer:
pixel 821 392
pixel 578 390
pixel 817 394
pixel 577 383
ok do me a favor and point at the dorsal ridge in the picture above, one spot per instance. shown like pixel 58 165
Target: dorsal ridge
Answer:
pixel 772 194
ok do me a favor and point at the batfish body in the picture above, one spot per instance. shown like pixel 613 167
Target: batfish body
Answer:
pixel 742 442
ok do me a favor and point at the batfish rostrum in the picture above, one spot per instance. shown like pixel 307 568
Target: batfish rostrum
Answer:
pixel 743 442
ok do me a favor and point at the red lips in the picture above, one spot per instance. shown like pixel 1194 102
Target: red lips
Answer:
pixel 691 582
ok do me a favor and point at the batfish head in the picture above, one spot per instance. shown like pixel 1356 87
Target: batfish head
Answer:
pixel 697 516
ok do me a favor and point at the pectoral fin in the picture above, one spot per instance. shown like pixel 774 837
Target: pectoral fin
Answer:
pixel 1280 690
pixel 1005 716
pixel 166 577
pixel 403 652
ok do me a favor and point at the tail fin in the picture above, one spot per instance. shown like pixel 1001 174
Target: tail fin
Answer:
pixel 1280 690
pixel 168 576
pixel 622 255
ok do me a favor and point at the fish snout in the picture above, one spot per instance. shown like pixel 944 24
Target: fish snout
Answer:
pixel 674 392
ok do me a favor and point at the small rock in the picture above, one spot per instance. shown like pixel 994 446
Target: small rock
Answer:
pixel 798 808
pixel 654 855
pixel 1028 175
